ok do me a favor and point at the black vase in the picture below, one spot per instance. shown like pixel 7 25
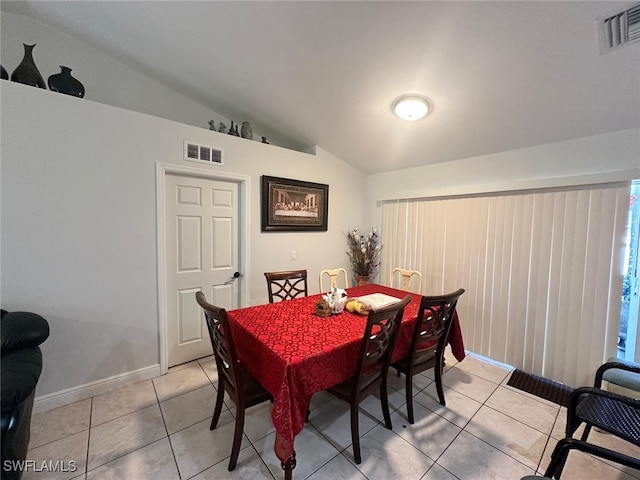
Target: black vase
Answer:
pixel 27 72
pixel 3 73
pixel 63 82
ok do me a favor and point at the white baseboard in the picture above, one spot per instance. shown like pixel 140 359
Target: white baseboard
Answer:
pixel 88 390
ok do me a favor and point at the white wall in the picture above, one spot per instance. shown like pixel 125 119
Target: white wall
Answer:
pixel 78 224
pixel 602 158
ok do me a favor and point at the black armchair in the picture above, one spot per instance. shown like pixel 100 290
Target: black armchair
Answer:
pixel 616 414
pixel 21 365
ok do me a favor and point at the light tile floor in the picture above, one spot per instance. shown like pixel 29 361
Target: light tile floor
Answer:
pixel 159 429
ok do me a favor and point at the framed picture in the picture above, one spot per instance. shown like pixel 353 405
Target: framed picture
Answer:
pixel 293 205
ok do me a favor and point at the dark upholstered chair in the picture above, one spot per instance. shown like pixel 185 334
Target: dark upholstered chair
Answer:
pixel 243 389
pixel 564 446
pixel 21 365
pixel 428 343
pixel 380 335
pixel 620 372
pixel 286 285
pixel 616 414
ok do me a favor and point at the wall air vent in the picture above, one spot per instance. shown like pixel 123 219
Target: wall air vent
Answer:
pixel 620 29
pixel 203 153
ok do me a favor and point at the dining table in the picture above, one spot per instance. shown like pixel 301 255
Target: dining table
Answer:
pixel 295 353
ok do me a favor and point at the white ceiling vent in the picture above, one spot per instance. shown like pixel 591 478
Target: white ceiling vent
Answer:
pixel 203 153
pixel 620 29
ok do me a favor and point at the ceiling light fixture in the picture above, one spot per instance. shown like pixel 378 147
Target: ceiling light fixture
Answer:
pixel 411 107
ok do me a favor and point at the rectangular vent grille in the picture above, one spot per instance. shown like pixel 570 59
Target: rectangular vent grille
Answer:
pixel 621 28
pixel 203 153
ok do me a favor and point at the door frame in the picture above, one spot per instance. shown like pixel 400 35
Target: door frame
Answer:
pixel 244 225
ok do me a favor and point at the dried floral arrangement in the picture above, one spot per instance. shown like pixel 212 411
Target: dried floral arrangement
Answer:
pixel 364 252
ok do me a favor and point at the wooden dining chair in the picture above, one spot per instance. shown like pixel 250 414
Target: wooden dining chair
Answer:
pixel 334 279
pixel 404 277
pixel 286 285
pixel 428 342
pixel 242 388
pixel 380 335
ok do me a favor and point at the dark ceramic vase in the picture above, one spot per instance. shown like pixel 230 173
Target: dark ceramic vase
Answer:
pixel 27 72
pixel 3 73
pixel 63 82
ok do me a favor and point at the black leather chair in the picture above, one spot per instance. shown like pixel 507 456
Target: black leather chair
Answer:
pixel 21 365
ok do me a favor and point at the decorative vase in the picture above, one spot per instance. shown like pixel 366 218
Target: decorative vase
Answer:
pixel 264 140
pixel 235 131
pixel 245 131
pixel 63 82
pixel 27 72
pixel 362 279
pixel 231 128
pixel 223 128
pixel 212 125
pixel 3 73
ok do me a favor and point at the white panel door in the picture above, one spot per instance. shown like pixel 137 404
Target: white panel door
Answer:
pixel 202 255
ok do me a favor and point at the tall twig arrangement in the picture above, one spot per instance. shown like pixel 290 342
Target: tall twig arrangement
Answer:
pixel 364 252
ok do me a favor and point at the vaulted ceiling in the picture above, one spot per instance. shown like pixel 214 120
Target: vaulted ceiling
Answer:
pixel 499 75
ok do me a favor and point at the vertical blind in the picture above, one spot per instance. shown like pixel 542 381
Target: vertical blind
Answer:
pixel 542 271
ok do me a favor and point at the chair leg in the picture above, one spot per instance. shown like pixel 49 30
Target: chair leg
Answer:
pixel 237 437
pixel 384 399
pixel 439 388
pixel 355 435
pixel 218 409
pixel 409 392
pixel 585 434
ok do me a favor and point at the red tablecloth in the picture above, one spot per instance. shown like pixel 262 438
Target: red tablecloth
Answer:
pixel 294 353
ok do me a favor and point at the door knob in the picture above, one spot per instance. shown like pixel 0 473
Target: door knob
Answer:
pixel 236 275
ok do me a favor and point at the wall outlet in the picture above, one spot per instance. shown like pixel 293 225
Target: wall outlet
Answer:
pixel 293 254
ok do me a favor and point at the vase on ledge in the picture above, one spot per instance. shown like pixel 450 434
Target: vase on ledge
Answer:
pixel 64 82
pixel 362 279
pixel 27 72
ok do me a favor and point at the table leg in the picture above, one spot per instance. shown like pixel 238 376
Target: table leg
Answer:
pixel 288 466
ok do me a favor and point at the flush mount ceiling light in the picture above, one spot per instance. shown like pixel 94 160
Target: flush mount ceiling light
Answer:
pixel 411 107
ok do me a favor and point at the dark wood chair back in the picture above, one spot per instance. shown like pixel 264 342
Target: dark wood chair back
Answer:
pixel 380 335
pixel 233 378
pixel 286 285
pixel 428 342
pixel 432 327
pixel 224 349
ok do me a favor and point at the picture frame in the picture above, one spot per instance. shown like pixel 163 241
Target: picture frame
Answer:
pixel 290 205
